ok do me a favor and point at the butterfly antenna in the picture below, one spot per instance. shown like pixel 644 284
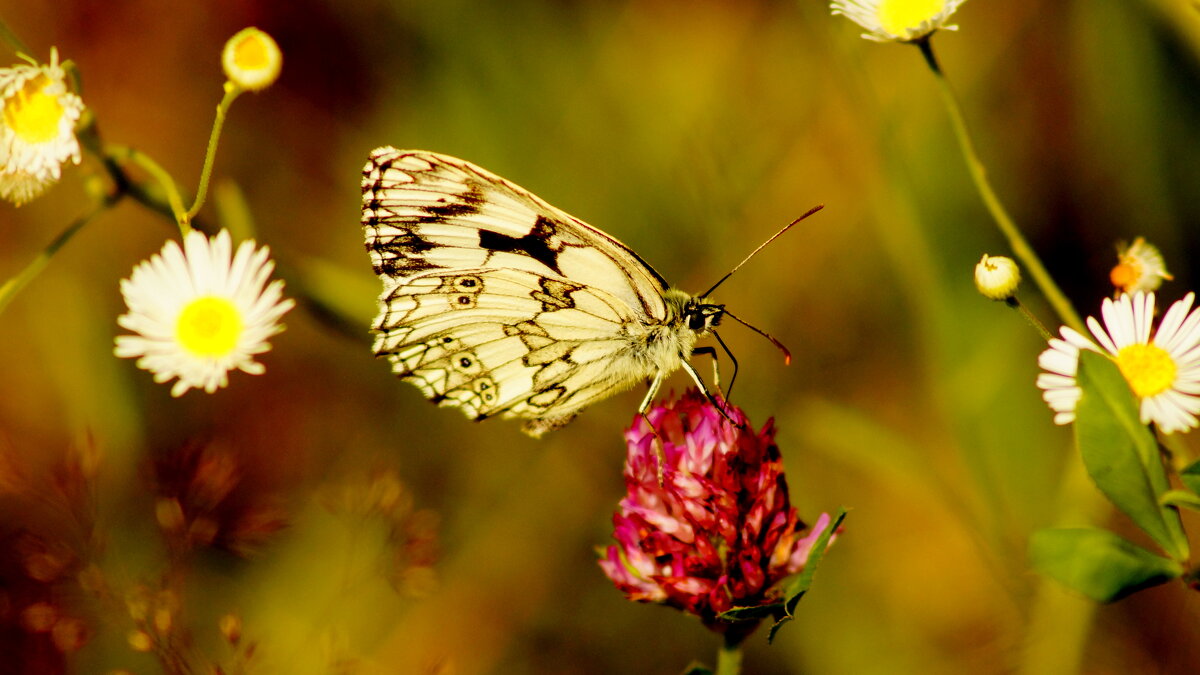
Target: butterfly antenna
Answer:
pixel 787 227
pixel 787 356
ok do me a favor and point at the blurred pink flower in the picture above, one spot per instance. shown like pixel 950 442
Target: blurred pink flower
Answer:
pixel 719 531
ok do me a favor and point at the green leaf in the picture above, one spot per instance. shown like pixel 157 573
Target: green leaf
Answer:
pixel 800 585
pixel 1191 477
pixel 1181 499
pixel 752 613
pixel 1099 564
pixel 1121 454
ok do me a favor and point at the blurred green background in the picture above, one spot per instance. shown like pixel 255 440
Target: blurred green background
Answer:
pixel 691 131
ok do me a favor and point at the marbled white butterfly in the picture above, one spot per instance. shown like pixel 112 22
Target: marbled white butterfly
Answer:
pixel 500 304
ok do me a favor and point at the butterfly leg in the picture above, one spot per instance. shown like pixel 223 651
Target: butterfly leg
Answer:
pixel 704 390
pixel 651 393
pixel 733 360
pixel 711 351
pixel 655 384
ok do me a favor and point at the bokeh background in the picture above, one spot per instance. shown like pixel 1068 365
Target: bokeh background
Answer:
pixel 691 131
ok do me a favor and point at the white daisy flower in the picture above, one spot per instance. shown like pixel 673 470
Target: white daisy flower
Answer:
pixel 1140 267
pixel 251 59
pixel 1163 372
pixel 197 314
pixel 897 20
pixel 37 128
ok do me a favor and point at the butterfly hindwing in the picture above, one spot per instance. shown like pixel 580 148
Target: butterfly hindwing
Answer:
pixel 499 341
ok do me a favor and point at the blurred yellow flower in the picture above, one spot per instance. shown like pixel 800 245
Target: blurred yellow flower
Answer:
pixel 1140 267
pixel 37 128
pixel 897 20
pixel 200 311
pixel 251 59
pixel 997 277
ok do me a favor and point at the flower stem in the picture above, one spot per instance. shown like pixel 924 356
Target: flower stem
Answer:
pixel 729 659
pixel 231 92
pixel 111 157
pixel 1008 228
pixel 160 175
pixel 1054 612
pixel 1016 304
pixel 14 285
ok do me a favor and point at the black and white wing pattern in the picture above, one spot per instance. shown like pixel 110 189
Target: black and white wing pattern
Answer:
pixel 500 304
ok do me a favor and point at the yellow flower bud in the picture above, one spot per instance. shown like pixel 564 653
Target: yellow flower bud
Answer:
pixel 251 59
pixel 997 277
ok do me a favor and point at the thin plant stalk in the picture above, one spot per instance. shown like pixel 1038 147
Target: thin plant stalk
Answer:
pixel 1016 240
pixel 14 285
pixel 1053 611
pixel 160 175
pixel 1016 304
pixel 231 93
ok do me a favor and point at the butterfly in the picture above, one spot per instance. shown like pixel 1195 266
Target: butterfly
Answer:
pixel 500 304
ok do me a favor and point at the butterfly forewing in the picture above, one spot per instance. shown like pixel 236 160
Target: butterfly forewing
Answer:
pixel 432 211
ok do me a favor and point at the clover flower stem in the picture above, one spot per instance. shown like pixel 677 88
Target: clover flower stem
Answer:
pixel 14 285
pixel 729 659
pixel 1008 228
pixel 1016 304
pixel 231 93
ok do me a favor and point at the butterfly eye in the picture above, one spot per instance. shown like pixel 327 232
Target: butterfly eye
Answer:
pixel 697 321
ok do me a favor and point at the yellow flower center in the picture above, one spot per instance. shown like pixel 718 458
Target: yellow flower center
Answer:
pixel 251 53
pixel 900 17
pixel 32 113
pixel 1149 369
pixel 209 326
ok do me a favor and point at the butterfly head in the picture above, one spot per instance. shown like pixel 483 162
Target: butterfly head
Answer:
pixel 701 316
